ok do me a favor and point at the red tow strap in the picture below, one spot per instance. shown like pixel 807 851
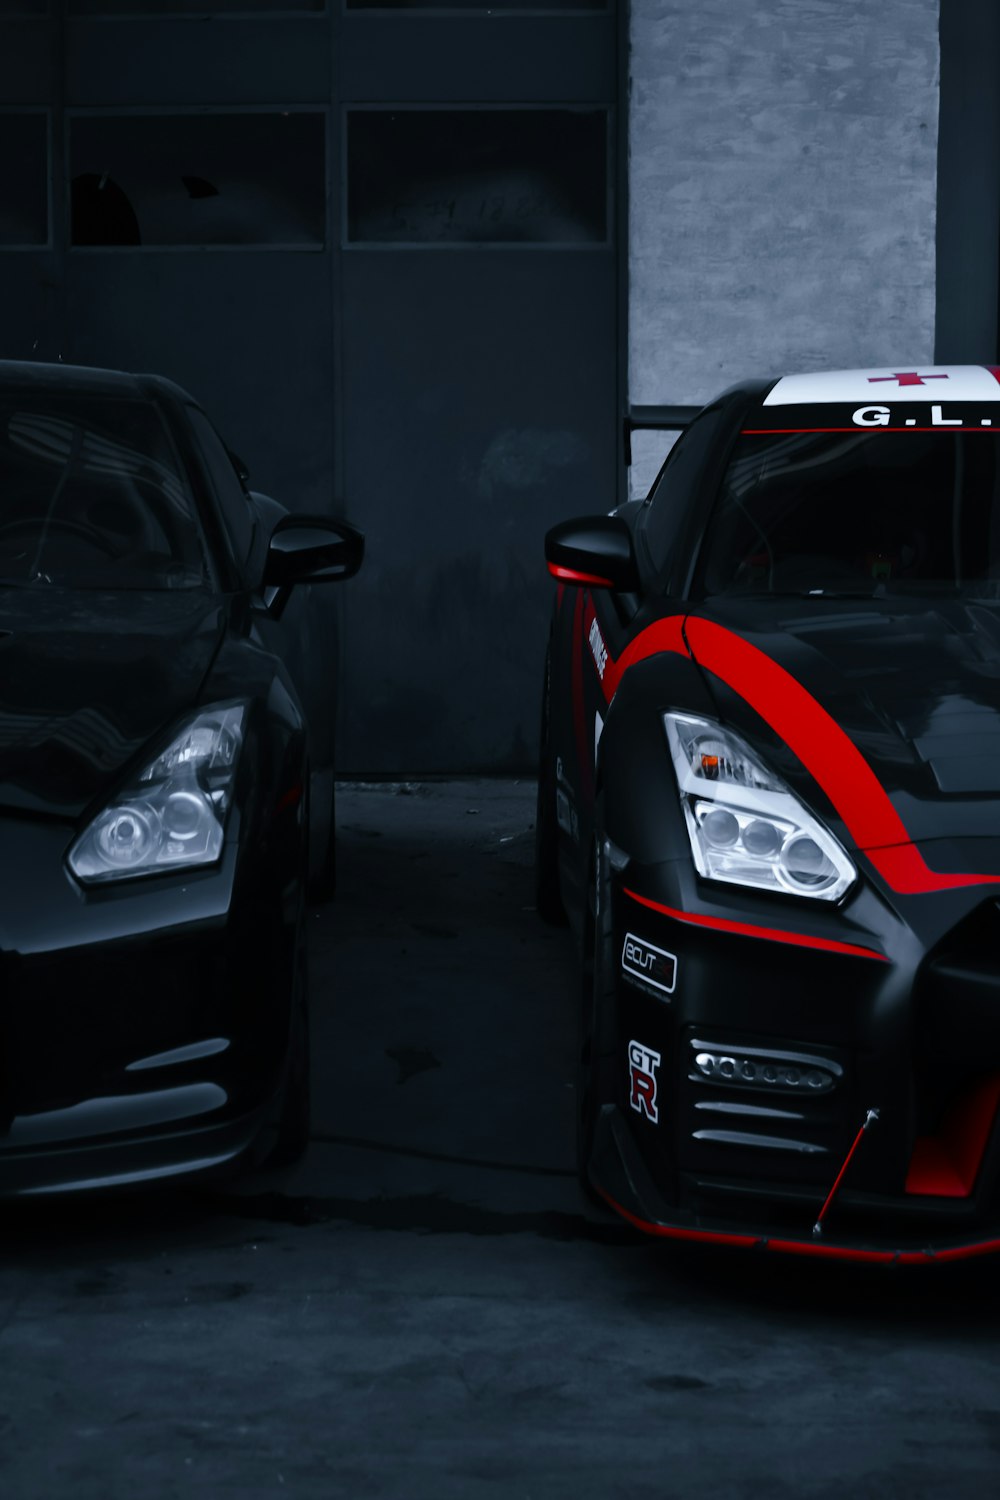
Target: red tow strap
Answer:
pixel 870 1119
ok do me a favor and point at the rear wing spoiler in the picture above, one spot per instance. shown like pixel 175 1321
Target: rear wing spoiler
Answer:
pixel 656 419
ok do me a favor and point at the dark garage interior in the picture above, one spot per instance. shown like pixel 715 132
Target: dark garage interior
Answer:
pixel 383 249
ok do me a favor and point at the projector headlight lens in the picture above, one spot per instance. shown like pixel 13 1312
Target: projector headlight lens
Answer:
pixel 745 825
pixel 173 814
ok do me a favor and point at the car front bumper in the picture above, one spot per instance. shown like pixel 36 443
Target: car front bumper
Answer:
pixel 864 1231
pixel 144 1031
pixel 748 1040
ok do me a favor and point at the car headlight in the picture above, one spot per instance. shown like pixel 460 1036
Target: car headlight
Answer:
pixel 745 824
pixel 173 814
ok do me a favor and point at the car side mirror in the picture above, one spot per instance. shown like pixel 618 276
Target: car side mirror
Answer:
pixel 309 549
pixel 312 549
pixel 595 551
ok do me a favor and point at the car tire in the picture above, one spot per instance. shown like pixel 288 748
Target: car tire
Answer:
pixel 296 1111
pixel 548 896
pixel 596 993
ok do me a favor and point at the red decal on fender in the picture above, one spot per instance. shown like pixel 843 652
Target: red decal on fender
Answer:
pixel 828 754
pixel 814 736
pixel 747 929
pixel 663 635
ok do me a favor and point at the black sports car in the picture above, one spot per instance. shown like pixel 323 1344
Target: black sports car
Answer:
pixel 154 789
pixel 769 802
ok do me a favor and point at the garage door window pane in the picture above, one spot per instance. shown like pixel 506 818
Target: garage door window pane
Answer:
pixel 491 5
pixel 24 173
pixel 241 179
pixel 142 8
pixel 477 176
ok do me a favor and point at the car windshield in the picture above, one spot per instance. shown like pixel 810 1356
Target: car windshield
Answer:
pixel 849 513
pixel 93 496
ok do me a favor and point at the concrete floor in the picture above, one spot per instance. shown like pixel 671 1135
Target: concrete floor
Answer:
pixel 424 1310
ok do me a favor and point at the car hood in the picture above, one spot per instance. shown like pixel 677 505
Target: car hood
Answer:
pixel 87 680
pixel 915 685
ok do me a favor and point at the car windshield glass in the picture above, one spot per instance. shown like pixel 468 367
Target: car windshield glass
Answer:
pixel 846 513
pixel 93 496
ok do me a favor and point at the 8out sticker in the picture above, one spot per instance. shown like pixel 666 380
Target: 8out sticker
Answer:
pixel 645 964
pixel 642 1084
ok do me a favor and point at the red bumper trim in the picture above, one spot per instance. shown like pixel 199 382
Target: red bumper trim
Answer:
pixel 818 1248
pixel 747 929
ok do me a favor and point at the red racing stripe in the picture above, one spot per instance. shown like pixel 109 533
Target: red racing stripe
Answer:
pixel 808 730
pixel 662 635
pixel 828 754
pixel 747 929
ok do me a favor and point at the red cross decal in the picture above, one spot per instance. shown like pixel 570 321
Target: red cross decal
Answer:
pixel 905 377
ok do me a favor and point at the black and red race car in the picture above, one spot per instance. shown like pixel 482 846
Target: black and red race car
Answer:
pixel 769 803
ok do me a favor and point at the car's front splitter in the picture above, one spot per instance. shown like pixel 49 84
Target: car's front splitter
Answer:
pixel 619 1175
pixel 141 1159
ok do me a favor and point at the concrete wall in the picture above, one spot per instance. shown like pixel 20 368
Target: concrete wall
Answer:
pixel 782 190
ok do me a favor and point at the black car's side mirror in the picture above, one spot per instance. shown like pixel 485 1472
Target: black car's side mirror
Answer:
pixel 595 551
pixel 312 549
pixel 309 549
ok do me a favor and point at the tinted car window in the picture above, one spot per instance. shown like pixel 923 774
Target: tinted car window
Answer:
pixel 233 503
pixel 857 513
pixel 93 496
pixel 667 503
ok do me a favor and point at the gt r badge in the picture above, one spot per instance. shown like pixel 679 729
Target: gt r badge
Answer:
pixel 599 649
pixel 649 965
pixel 642 1066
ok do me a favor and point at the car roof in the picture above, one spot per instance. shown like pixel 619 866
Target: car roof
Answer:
pixel 902 382
pixel 58 379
